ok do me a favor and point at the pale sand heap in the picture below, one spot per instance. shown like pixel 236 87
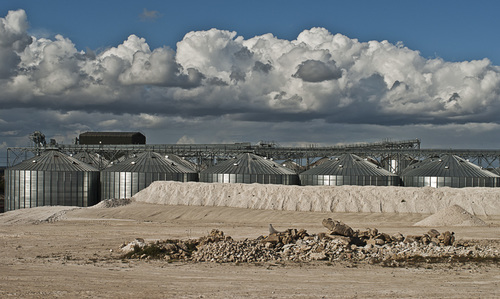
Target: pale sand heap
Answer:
pixel 451 216
pixel 369 199
pixel 35 215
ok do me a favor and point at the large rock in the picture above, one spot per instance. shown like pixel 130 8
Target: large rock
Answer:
pixel 338 228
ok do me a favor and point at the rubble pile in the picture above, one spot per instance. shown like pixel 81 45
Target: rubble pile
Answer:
pixel 339 244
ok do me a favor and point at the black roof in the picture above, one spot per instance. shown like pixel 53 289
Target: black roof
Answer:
pixel 110 134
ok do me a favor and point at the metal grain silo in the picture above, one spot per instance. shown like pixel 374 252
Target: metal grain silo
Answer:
pixel 448 171
pixel 50 179
pixel 249 168
pixel 126 178
pixel 349 169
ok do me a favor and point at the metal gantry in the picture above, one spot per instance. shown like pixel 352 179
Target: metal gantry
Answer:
pixel 395 154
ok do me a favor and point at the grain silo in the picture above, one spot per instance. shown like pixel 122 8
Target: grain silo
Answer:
pixel 349 169
pixel 448 171
pixel 126 178
pixel 50 179
pixel 249 168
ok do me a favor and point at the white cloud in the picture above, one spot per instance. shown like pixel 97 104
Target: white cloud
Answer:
pixel 218 75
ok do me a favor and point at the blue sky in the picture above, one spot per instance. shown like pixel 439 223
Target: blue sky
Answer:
pixel 295 72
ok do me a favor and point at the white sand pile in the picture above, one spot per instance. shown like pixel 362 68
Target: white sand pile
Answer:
pixel 35 215
pixel 451 216
pixel 370 199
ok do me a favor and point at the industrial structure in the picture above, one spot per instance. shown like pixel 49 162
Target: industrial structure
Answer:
pixel 349 169
pixel 249 168
pixel 52 178
pixel 119 165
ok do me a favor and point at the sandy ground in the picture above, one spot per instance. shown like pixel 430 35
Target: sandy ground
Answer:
pixel 47 252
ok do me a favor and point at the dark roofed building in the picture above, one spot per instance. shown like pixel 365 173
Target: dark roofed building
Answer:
pixel 112 138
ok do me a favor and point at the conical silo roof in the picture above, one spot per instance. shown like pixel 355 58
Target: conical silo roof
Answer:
pixel 446 166
pixel 249 164
pixel 149 162
pixel 181 161
pixel 53 160
pixel 93 159
pixel 348 165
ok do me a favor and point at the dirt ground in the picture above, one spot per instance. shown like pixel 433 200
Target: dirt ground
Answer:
pixel 77 255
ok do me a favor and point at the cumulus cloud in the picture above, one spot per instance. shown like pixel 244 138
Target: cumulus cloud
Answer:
pixel 216 74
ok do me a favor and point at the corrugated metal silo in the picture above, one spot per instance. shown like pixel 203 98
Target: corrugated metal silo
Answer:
pixel 349 169
pixel 448 171
pixel 124 179
pixel 50 179
pixel 249 168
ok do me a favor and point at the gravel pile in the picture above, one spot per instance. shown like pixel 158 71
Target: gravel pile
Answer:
pixel 294 245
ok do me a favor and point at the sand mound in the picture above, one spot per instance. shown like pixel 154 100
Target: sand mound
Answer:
pixel 112 203
pixel 367 199
pixel 35 215
pixel 451 216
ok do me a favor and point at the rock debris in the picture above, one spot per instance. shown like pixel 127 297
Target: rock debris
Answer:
pixel 340 243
